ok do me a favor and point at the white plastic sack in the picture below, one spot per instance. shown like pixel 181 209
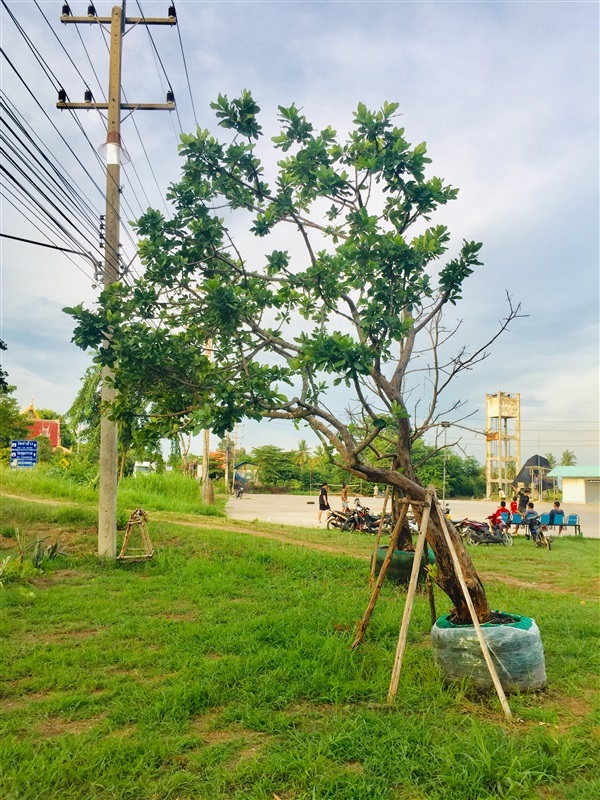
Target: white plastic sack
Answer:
pixel 516 649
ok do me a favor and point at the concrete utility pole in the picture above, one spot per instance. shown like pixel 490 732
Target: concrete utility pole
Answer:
pixel 107 506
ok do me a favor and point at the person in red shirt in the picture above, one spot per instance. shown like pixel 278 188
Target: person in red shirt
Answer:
pixel 496 517
pixel 514 506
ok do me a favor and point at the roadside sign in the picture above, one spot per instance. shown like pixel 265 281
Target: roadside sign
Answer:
pixel 23 453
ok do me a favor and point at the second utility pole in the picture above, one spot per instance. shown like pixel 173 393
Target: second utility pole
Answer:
pixel 107 504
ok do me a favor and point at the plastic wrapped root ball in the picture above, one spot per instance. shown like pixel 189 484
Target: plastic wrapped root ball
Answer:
pixel 515 646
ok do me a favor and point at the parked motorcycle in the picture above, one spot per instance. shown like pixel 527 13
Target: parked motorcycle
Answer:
pixel 474 533
pixel 361 519
pixel 337 519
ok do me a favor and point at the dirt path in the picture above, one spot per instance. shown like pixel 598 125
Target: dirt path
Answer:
pixel 226 525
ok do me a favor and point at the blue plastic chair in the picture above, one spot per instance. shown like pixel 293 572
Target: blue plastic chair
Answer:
pixel 545 519
pixel 573 522
pixel 516 520
pixel 505 517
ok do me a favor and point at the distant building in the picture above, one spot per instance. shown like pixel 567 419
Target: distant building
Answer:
pixel 143 467
pixel 42 427
pixel 579 484
pixel 245 472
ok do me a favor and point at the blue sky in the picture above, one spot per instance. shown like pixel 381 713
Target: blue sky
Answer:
pixel 504 93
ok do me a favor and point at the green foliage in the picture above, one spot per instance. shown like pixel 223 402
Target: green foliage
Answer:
pixel 364 269
pixel 275 466
pixel 12 424
pixel 464 476
pixel 568 459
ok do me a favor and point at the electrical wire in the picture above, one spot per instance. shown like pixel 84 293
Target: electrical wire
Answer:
pixel 159 60
pixel 187 76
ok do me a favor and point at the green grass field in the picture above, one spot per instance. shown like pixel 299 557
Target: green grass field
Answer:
pixel 222 670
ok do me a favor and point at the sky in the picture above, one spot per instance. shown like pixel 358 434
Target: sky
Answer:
pixel 504 93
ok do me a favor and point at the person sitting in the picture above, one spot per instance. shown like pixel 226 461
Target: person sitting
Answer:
pixel 514 506
pixel 557 512
pixel 533 520
pixel 496 518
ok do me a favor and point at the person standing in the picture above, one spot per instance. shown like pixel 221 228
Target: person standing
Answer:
pixel 344 497
pixel 523 501
pixel 324 501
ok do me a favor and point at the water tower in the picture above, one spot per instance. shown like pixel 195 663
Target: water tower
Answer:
pixel 503 440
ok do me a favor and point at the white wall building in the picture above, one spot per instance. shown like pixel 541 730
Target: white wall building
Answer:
pixel 580 485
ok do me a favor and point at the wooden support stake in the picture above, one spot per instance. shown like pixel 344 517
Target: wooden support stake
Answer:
pixel 380 578
pixel 476 624
pixel 410 596
pixel 378 539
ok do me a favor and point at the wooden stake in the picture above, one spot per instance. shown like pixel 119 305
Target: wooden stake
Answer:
pixel 378 539
pixel 380 578
pixel 410 596
pixel 476 624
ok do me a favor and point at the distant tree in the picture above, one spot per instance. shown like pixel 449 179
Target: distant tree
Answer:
pixel 4 387
pixel 302 455
pixel 568 459
pixel 551 459
pixel 275 466
pixel 13 425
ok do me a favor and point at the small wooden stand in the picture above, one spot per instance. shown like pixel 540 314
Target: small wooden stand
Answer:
pixel 139 520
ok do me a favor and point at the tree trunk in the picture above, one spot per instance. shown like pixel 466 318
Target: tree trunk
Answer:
pixel 446 577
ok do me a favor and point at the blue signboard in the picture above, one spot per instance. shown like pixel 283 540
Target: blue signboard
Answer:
pixel 23 453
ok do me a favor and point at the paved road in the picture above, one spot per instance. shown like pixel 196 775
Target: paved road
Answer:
pixel 301 510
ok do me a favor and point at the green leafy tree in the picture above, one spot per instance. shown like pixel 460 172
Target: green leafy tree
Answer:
pixel 13 425
pixel 551 459
pixel 4 387
pixel 568 459
pixel 275 466
pixel 345 305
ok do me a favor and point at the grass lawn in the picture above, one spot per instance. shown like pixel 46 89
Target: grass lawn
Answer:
pixel 222 670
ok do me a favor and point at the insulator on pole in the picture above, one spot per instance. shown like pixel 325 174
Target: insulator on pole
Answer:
pixel 172 12
pixel 87 96
pixel 92 11
pixel 170 96
pixel 62 96
pixel 66 11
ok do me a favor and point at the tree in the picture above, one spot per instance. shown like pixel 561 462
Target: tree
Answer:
pixel 302 455
pixel 551 459
pixel 4 387
pixel 275 466
pixel 568 459
pixel 13 425
pixel 368 296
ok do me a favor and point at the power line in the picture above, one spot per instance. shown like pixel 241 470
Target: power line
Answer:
pixel 187 77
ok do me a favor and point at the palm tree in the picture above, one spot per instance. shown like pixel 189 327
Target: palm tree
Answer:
pixel 568 459
pixel 302 455
pixel 551 459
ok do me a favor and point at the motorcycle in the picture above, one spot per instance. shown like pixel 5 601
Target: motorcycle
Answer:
pixel 337 519
pixel 538 533
pixel 475 533
pixel 360 519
